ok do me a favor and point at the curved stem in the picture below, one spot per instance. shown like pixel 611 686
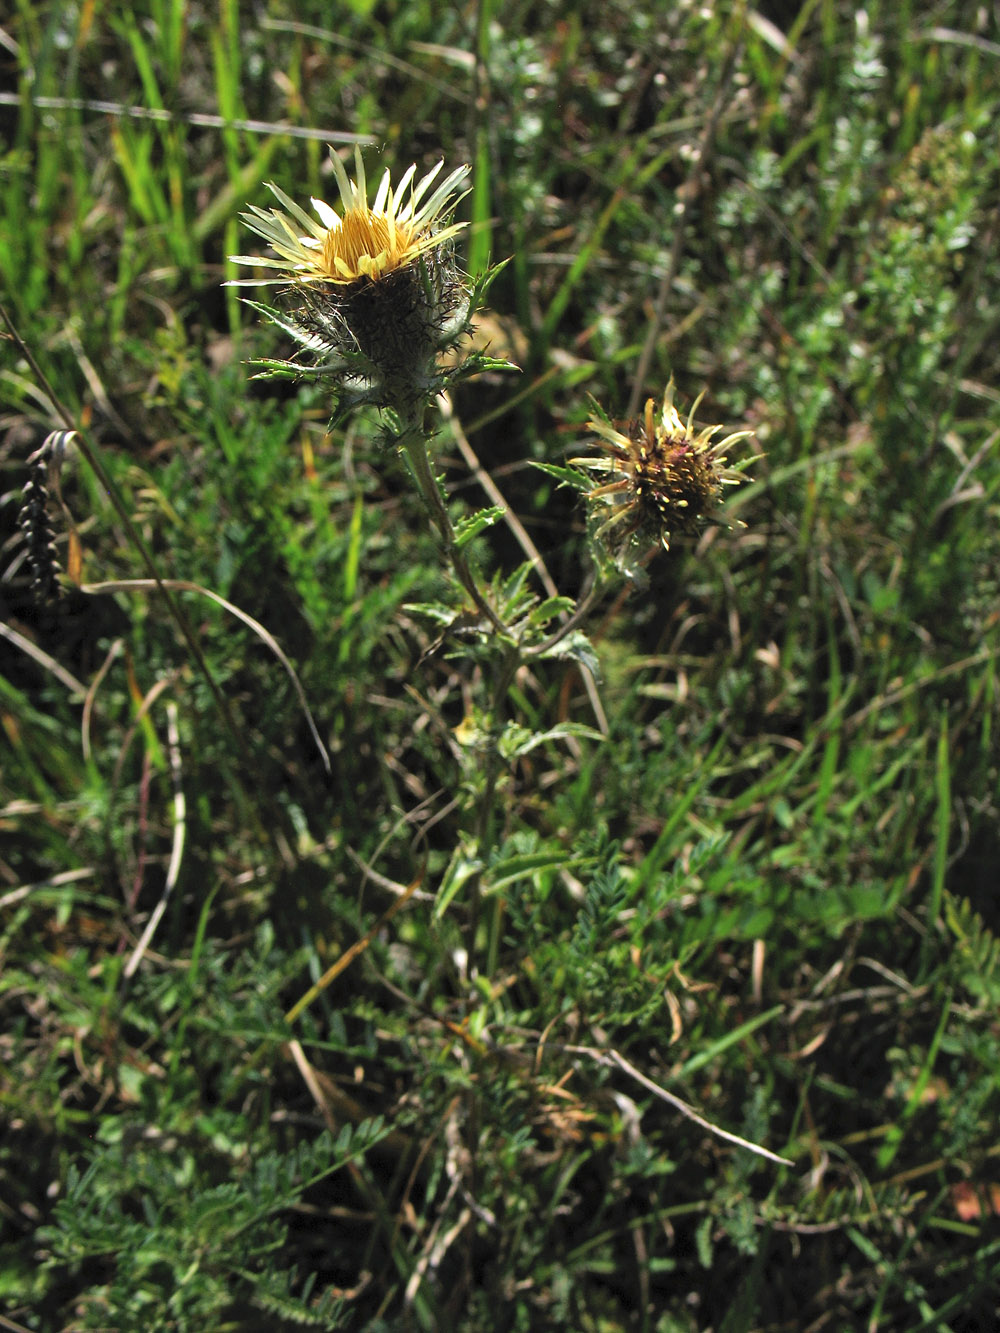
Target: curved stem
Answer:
pixel 578 615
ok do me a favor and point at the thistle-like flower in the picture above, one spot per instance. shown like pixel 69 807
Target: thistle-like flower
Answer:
pixel 655 477
pixel 361 242
pixel 372 292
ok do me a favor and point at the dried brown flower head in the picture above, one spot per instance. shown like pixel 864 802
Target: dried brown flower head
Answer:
pixel 655 477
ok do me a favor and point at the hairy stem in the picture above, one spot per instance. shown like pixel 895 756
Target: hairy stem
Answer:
pixel 486 830
pixel 414 444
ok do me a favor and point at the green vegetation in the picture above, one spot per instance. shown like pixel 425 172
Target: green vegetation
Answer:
pixel 457 1030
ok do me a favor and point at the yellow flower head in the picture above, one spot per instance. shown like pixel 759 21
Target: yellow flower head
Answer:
pixel 360 241
pixel 655 477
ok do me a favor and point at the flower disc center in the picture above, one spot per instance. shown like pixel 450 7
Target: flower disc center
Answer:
pixel 365 245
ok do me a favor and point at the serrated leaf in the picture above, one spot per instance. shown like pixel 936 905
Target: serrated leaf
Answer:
pixel 310 340
pixel 468 528
pixel 495 362
pixel 549 609
pixel 436 611
pixel 485 280
pixel 513 586
pixel 517 740
pixel 277 370
pixel 566 476
pixel 576 647
pixel 476 363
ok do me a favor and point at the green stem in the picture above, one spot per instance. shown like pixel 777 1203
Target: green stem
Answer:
pixel 414 444
pixel 486 832
pixel 570 623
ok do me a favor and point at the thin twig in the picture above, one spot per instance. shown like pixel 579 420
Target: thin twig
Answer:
pixel 201 119
pixel 356 949
pixel 520 533
pixel 613 1058
pixel 384 882
pixel 53 882
pixel 184 585
pixel 89 703
pixel 177 849
pixel 10 1324
pixel 43 659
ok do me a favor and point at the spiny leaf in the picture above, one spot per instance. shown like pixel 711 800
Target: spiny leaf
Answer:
pixel 466 529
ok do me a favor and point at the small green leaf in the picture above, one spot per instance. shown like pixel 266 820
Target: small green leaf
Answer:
pixel 436 611
pixel 566 476
pixel 468 528
pixel 516 740
pixel 576 647
pixel 549 609
pixel 460 870
pixel 511 869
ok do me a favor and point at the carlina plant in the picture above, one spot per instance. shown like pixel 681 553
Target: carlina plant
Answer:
pixel 375 299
